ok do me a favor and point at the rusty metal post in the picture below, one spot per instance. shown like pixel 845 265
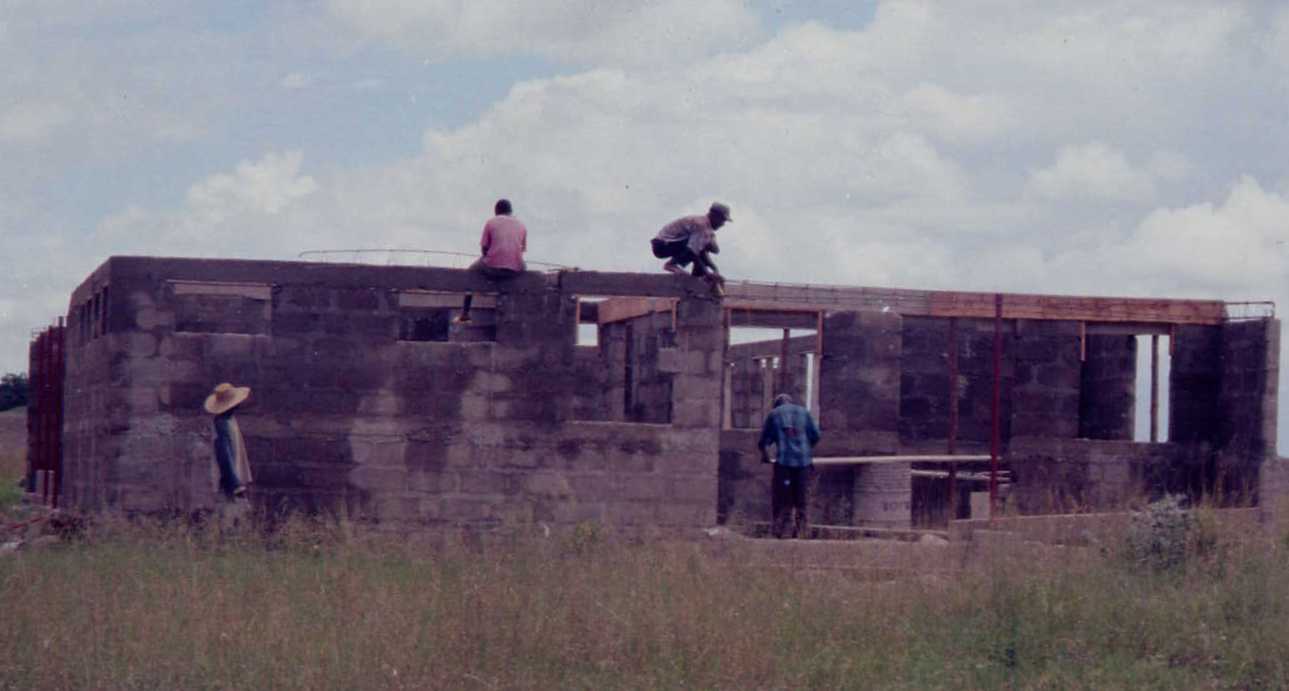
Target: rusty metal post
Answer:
pixel 60 366
pixel 953 417
pixel 819 363
pixel 44 402
pixel 995 440
pixel 783 361
pixel 1154 388
pixel 33 420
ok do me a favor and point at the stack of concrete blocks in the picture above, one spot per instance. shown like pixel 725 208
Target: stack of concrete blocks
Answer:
pixel 859 400
pixel 747 392
pixel 346 418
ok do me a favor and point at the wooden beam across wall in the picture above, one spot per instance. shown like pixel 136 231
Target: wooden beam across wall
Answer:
pixel 777 306
pixel 941 303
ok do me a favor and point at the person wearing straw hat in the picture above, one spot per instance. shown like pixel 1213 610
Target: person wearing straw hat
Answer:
pixel 230 448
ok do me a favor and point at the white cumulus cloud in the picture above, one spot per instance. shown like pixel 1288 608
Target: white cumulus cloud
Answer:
pixel 575 31
pixel 1092 172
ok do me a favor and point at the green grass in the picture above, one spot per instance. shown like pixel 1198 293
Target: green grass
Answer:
pixel 168 608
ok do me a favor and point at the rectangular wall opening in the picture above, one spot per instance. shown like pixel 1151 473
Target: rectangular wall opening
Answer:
pixel 426 315
pixel 627 358
pixel 1161 344
pixel 222 307
pixel 756 370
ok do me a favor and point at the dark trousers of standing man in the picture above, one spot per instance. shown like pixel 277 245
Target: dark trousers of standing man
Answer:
pixel 788 496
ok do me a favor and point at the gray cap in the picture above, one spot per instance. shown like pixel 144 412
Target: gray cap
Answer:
pixel 721 210
pixel 781 399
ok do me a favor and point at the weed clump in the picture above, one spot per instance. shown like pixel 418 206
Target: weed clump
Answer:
pixel 1159 536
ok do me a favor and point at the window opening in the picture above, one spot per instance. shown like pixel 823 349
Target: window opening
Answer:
pixel 425 325
pixel 1142 418
pixel 756 370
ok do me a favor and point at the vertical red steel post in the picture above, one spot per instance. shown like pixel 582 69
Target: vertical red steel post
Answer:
pixel 953 417
pixel 43 388
pixel 997 404
pixel 60 366
pixel 33 425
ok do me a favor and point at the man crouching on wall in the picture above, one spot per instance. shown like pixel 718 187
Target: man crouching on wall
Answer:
pixel 791 429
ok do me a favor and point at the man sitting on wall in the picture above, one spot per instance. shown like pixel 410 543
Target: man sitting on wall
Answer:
pixel 504 241
pixel 793 432
pixel 693 239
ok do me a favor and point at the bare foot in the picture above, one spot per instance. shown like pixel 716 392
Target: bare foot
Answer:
pixel 672 268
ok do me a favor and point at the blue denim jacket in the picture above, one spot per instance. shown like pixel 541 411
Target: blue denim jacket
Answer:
pixel 790 428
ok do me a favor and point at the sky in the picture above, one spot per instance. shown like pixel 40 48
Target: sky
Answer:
pixel 1102 148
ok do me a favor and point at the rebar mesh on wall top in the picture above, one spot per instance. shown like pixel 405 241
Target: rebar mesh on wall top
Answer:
pixel 403 257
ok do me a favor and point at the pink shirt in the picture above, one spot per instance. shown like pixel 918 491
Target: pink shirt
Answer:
pixel 504 242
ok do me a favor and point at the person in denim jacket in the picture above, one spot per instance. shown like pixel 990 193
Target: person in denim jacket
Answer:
pixel 793 432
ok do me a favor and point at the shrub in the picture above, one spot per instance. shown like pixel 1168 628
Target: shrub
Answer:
pixel 1157 536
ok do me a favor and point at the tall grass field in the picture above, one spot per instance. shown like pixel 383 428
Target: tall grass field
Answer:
pixel 179 607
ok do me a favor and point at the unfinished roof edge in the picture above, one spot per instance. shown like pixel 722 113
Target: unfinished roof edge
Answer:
pixel 121 269
pixel 622 287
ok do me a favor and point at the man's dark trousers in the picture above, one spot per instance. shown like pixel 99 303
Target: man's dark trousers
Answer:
pixel 789 492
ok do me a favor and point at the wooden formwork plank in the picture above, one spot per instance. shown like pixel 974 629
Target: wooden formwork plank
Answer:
pixel 943 303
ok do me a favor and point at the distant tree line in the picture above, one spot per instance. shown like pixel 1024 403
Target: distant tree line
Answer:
pixel 13 391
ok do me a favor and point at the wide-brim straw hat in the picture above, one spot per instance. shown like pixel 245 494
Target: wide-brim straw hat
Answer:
pixel 225 397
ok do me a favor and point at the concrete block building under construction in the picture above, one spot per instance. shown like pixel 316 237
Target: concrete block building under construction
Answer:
pixel 635 400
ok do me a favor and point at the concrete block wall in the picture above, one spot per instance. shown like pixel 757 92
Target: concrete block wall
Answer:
pixel 1047 376
pixel 347 418
pixel 349 415
pixel 748 392
pixel 1247 399
pixel 1108 398
pixel 925 388
pixel 859 406
pixel 1083 475
pixel 1194 382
